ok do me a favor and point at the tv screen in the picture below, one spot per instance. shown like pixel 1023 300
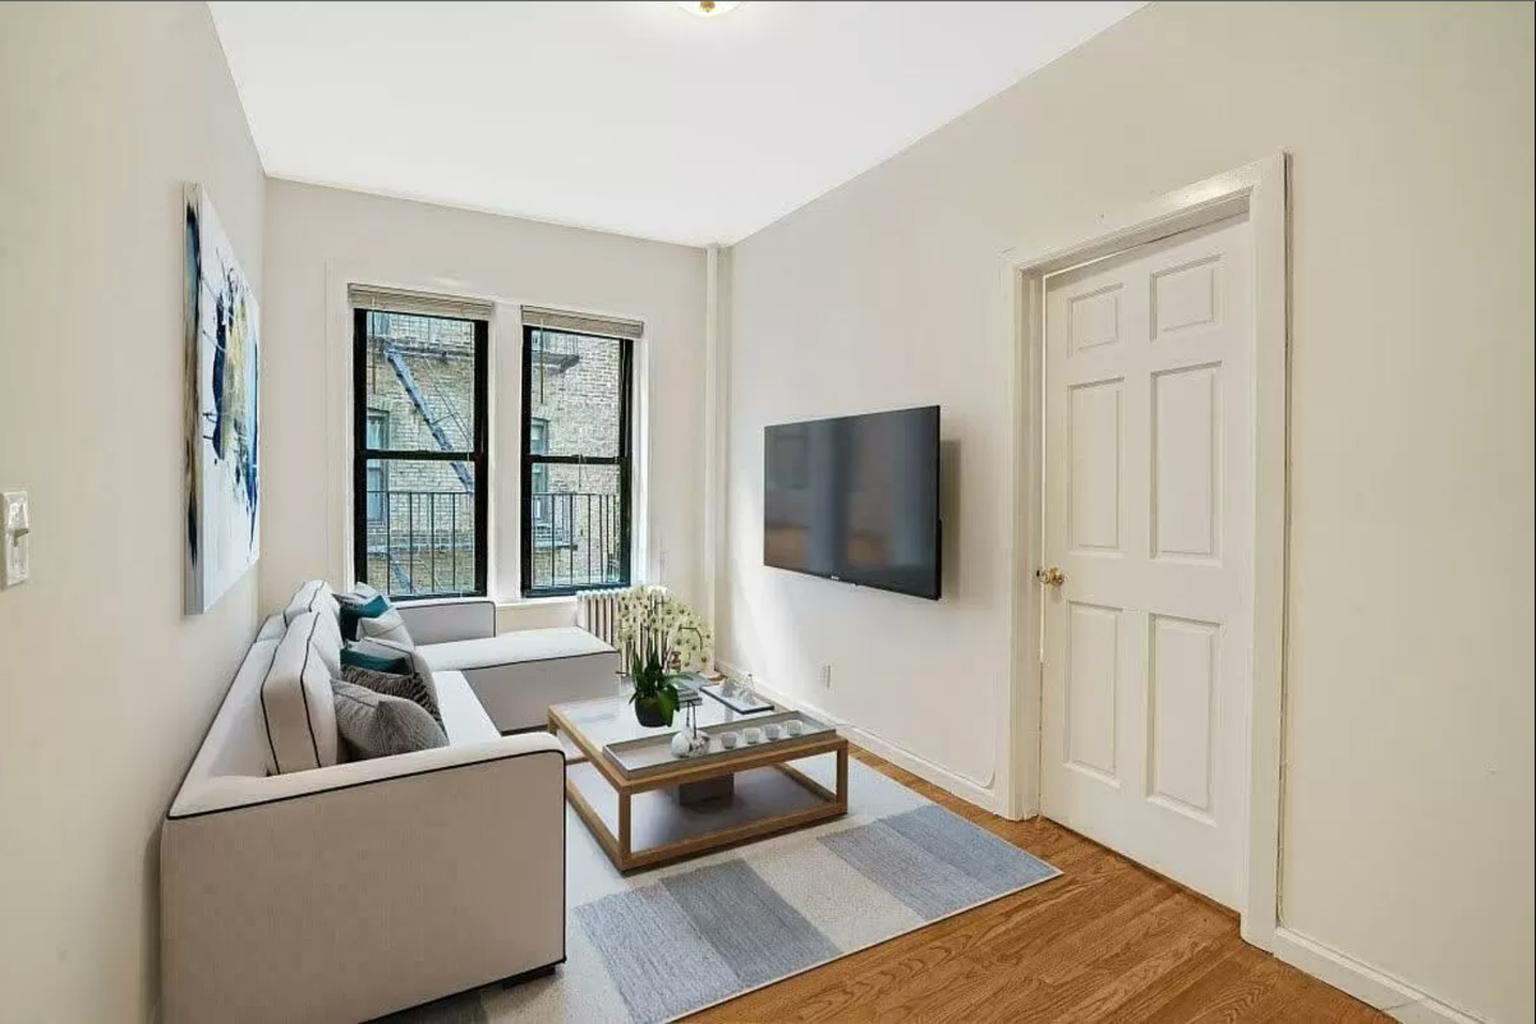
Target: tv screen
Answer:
pixel 856 499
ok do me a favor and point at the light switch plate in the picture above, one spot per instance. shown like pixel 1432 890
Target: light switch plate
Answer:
pixel 16 541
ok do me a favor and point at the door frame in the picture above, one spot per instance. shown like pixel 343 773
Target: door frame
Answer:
pixel 1260 190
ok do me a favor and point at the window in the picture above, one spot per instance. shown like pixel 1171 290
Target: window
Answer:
pixel 377 437
pixel 576 461
pixel 419 453
pixel 538 484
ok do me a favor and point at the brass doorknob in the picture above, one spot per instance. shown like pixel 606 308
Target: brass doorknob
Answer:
pixel 1052 577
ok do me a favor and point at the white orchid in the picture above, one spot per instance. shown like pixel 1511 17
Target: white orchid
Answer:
pixel 651 617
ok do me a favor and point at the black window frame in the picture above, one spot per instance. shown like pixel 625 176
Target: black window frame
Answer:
pixel 478 456
pixel 624 460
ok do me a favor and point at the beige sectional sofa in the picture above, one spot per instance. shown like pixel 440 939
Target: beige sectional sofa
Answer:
pixel 340 893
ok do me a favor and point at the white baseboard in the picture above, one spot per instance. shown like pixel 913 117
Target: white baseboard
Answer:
pixel 965 789
pixel 1386 993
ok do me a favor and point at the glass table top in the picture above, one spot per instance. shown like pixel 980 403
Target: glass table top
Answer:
pixel 608 720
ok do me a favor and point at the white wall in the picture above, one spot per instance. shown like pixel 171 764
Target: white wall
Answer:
pixel 1408 809
pixel 105 687
pixel 319 239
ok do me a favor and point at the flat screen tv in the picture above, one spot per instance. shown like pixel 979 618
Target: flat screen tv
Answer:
pixel 856 499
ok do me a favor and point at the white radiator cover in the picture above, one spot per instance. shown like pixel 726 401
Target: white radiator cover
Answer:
pixel 597 611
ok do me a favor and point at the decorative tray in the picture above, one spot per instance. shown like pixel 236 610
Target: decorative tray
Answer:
pixel 649 754
pixel 739 702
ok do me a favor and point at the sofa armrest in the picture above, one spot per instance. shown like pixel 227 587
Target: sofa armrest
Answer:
pixel 448 619
pixel 367 888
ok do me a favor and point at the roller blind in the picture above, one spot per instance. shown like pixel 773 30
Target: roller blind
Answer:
pixel 582 323
pixel 423 303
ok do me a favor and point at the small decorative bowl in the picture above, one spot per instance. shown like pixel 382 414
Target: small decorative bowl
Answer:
pixel 728 740
pixel 771 731
pixel 752 735
pixel 794 727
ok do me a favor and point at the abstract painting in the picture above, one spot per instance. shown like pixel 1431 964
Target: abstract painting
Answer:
pixel 223 350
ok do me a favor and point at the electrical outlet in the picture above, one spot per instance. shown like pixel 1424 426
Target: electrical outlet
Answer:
pixel 826 677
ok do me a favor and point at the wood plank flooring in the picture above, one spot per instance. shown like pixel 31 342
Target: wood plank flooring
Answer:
pixel 1107 941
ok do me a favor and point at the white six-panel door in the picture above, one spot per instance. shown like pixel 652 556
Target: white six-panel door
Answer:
pixel 1149 517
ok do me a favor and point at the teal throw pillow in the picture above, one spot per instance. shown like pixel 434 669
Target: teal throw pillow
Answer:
pixel 353 611
pixel 397 664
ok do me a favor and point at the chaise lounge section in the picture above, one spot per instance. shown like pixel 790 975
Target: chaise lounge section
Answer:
pixel 517 676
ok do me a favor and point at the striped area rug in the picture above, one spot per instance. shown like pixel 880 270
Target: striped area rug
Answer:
pixel 663 943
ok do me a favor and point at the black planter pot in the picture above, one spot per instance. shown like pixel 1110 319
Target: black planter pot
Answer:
pixel 648 713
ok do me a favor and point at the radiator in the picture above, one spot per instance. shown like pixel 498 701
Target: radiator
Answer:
pixel 597 611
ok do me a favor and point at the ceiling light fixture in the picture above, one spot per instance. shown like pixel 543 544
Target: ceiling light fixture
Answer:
pixel 709 8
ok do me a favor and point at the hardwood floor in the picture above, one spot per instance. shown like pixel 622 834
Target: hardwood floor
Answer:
pixel 1107 941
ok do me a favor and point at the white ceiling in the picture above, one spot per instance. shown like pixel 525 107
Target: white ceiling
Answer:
pixel 638 117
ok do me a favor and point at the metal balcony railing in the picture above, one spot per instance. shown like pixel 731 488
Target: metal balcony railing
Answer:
pixel 423 542
pixel 578 539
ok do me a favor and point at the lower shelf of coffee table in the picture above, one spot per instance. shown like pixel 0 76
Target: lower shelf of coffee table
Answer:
pixel 661 828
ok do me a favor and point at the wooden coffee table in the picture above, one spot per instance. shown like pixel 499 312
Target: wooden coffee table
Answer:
pixel 756 807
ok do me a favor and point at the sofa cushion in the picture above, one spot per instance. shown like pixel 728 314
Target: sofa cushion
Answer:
pixel 316 596
pixel 297 707
pixel 237 740
pixel 405 684
pixel 464 719
pixel 373 724
pixel 327 641
pixel 515 648
pixel 312 596
pixel 446 619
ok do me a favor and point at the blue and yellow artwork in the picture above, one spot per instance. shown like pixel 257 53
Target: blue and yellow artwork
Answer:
pixel 223 524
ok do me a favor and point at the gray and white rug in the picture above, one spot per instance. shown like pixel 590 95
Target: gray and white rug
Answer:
pixel 663 943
